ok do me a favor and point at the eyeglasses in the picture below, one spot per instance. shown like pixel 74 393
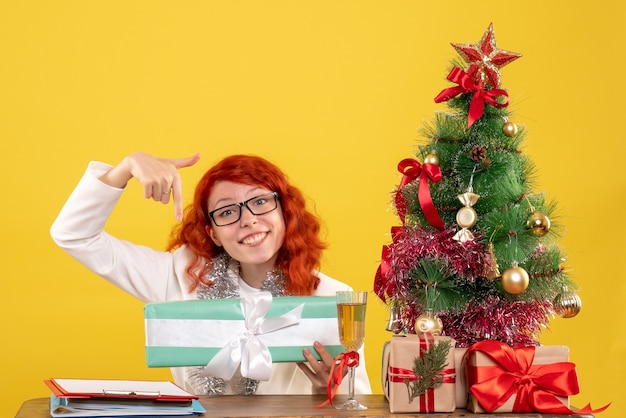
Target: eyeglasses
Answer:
pixel 258 205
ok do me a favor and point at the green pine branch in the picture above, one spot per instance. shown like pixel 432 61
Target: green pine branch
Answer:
pixel 427 369
pixel 435 287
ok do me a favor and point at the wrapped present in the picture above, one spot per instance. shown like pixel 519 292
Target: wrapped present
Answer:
pixel 418 373
pixel 459 369
pixel 527 379
pixel 251 332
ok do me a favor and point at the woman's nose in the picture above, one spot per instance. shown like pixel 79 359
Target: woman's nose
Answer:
pixel 247 217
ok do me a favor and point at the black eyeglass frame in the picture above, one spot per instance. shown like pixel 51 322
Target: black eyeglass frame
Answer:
pixel 245 203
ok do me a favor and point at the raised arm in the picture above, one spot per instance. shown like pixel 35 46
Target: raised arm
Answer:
pixel 146 273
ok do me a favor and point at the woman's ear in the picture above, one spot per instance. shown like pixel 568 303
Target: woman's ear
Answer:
pixel 213 235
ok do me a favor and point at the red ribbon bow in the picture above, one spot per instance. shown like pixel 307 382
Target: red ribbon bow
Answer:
pixel 383 285
pixel 412 169
pixel 536 385
pixel 337 371
pixel 465 84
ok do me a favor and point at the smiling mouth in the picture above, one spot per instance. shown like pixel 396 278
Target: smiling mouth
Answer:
pixel 254 239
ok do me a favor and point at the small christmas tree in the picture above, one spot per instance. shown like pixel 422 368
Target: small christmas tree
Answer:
pixel 476 255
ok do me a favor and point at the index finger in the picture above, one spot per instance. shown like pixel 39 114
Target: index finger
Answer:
pixel 177 197
pixel 185 162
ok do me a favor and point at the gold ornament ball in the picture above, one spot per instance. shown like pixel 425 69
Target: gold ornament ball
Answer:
pixel 539 223
pixel 567 304
pixel 431 159
pixel 428 323
pixel 509 129
pixel 514 280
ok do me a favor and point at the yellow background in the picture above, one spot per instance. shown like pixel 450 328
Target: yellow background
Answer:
pixel 332 91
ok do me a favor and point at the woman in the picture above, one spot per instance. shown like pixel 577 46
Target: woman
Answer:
pixel 246 231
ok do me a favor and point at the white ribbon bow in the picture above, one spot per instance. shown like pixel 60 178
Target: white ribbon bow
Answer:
pixel 247 349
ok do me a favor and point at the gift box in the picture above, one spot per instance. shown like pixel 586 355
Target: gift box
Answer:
pixel 459 371
pixel 404 389
pixel 500 378
pixel 253 332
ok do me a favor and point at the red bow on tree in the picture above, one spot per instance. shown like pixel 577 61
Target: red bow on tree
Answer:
pixel 383 283
pixel 465 84
pixel 412 169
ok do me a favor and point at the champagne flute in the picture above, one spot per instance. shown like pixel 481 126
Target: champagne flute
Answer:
pixel 351 321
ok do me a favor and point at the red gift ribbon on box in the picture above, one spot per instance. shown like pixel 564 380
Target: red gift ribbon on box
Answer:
pixel 400 375
pixel 465 84
pixel 536 385
pixel 427 400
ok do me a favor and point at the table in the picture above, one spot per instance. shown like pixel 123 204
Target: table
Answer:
pixel 262 406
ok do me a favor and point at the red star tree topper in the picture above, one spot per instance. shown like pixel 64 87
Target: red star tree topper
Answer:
pixel 485 59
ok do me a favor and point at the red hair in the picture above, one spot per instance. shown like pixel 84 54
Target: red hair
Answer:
pixel 299 255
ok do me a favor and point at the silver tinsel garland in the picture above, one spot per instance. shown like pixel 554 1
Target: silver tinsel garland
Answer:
pixel 225 284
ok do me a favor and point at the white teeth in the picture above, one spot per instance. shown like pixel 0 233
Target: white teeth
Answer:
pixel 254 239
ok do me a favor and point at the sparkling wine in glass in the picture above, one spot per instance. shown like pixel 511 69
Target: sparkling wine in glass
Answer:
pixel 351 320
